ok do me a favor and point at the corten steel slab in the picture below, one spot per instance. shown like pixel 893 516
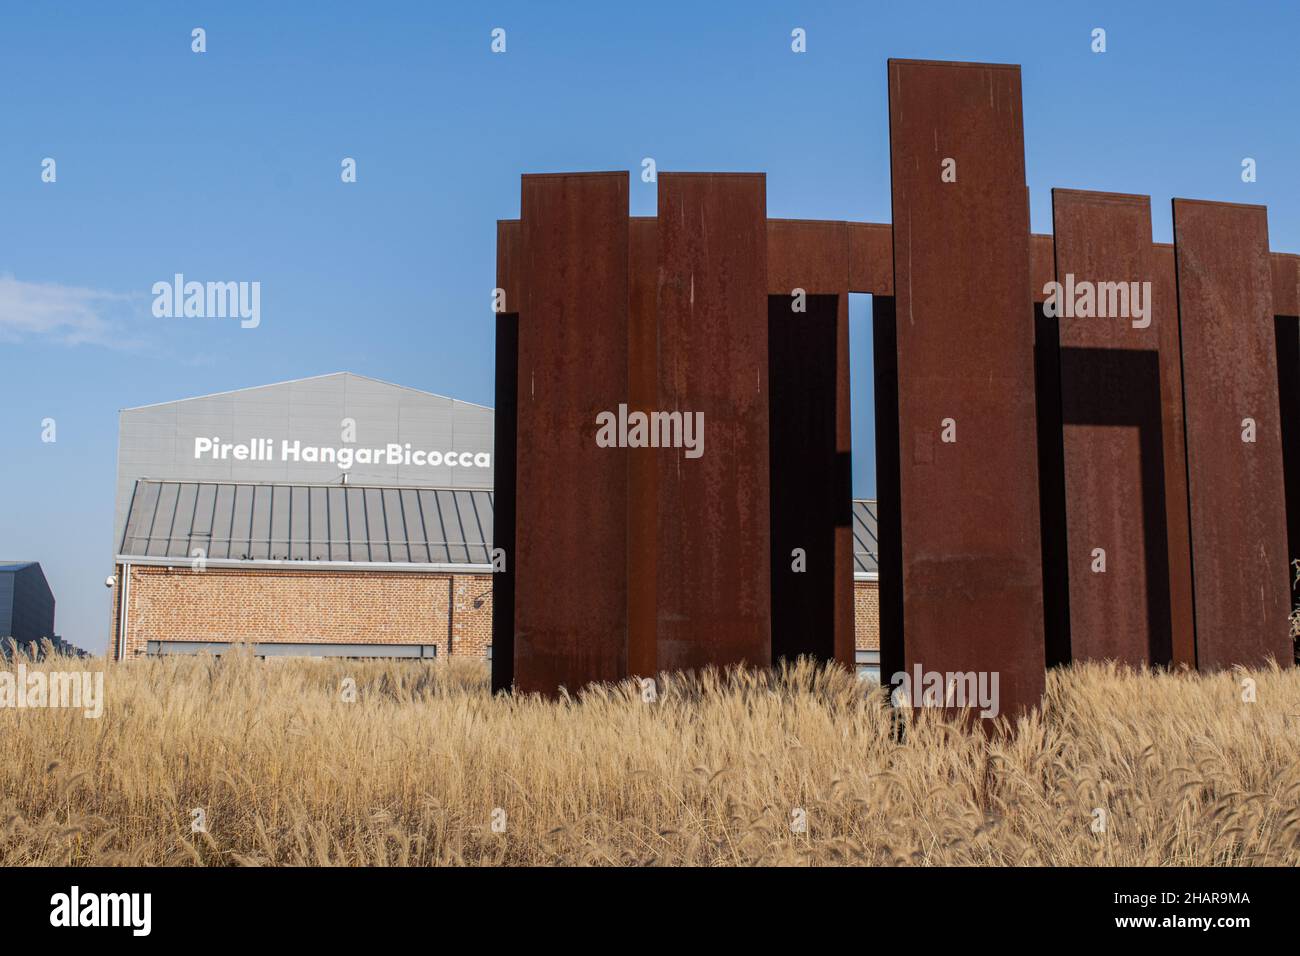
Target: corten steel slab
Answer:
pixel 972 568
pixel 642 465
pixel 871 258
pixel 1042 264
pixel 807 254
pixel 1238 510
pixel 811 496
pixel 1113 443
pixel 1286 283
pixel 571 504
pixel 714 541
pixel 509 262
pixel 1182 621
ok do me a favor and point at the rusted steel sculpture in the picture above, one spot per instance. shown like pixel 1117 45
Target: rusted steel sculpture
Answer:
pixel 967 454
pixel 1234 436
pixel 1016 438
pixel 570 561
pixel 1127 569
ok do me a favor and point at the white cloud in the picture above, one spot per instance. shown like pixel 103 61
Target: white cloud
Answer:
pixel 64 314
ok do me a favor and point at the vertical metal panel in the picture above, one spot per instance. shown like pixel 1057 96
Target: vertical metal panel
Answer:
pixel 642 465
pixel 714 537
pixel 571 500
pixel 1113 443
pixel 871 258
pixel 510 238
pixel 1285 270
pixel 1182 622
pixel 972 567
pixel 1238 512
pixel 1042 264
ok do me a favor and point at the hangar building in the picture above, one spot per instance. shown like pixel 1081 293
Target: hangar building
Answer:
pixel 330 516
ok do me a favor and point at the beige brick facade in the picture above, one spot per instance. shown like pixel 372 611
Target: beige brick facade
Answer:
pixel 866 615
pixel 339 607
pixel 312 606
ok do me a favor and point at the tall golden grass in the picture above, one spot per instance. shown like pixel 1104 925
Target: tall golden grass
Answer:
pixel 712 773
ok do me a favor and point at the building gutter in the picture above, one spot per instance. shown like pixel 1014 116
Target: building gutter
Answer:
pixel 275 565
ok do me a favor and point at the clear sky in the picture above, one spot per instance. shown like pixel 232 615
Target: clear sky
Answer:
pixel 225 165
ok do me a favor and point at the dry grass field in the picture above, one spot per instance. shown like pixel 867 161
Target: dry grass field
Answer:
pixel 714 772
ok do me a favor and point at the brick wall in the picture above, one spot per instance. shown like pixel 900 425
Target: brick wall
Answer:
pixel 343 607
pixel 327 606
pixel 866 615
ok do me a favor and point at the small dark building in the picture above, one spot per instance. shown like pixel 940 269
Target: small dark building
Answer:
pixel 26 602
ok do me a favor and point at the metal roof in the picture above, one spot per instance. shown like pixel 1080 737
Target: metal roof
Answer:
pixel 240 521
pixel 865 546
pixel 354 524
pixel 295 381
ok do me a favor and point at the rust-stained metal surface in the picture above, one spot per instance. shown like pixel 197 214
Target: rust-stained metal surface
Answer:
pixel 1117 554
pixel 971 562
pixel 1182 621
pixel 1285 270
pixel 807 254
pixel 871 258
pixel 714 541
pixel 1042 264
pixel 510 241
pixel 642 464
pixel 571 502
pixel 1238 511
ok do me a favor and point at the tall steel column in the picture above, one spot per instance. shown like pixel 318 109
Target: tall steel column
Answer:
pixel 713 559
pixel 1234 441
pixel 972 590
pixel 570 565
pixel 1117 556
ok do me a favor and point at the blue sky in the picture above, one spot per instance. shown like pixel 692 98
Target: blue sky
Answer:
pixel 225 165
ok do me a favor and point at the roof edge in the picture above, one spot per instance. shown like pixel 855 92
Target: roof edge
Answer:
pixel 305 378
